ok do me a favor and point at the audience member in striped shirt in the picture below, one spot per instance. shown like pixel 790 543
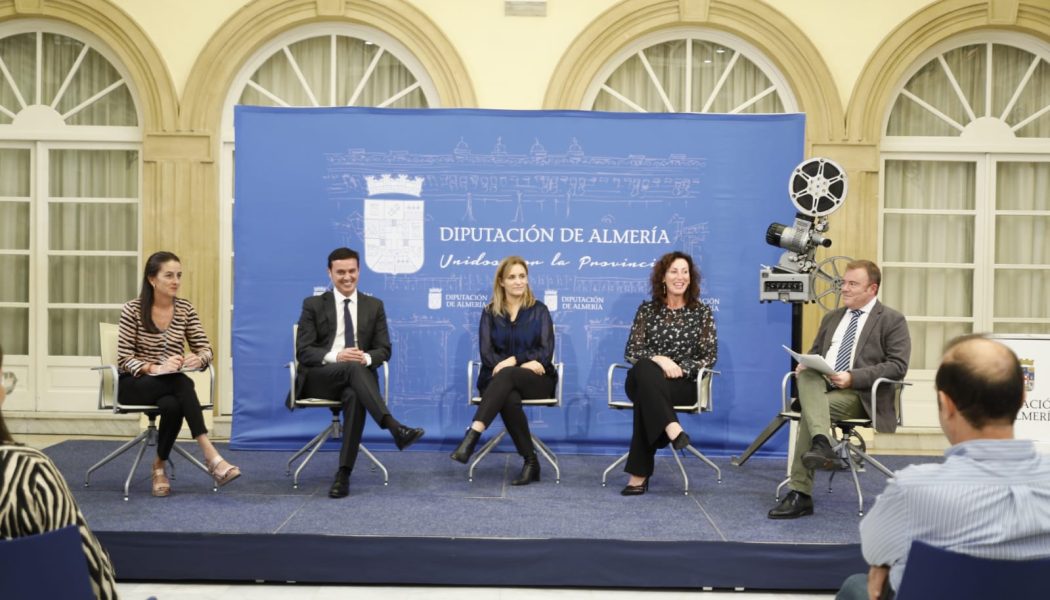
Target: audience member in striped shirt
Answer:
pixel 991 496
pixel 35 499
pixel 154 330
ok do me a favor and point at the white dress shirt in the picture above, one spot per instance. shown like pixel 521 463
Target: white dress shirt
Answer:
pixel 840 332
pixel 339 344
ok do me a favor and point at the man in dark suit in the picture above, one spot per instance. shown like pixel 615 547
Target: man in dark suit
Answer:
pixel 342 340
pixel 864 340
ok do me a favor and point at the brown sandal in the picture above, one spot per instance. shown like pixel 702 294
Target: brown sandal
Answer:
pixel 224 476
pixel 161 485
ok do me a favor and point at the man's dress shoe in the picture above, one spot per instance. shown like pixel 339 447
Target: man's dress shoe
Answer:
pixel 793 506
pixel 406 436
pixel 821 456
pixel 341 486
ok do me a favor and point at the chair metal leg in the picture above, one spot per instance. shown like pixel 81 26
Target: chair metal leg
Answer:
pixel 681 467
pixel 549 455
pixel 150 435
pixel 854 457
pixel 616 463
pixel 141 438
pixel 489 445
pixel 770 430
pixel 193 461
pixel 320 437
pixel 780 486
pixel 317 442
pixel 375 461
pixel 705 460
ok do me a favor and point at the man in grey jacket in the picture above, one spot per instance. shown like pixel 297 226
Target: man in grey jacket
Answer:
pixel 863 340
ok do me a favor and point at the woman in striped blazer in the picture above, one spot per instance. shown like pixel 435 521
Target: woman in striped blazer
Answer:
pixel 154 330
pixel 34 499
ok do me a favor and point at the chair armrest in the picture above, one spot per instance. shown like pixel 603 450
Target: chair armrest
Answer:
pixel 874 397
pixel 609 384
pixel 102 385
pixel 560 368
pixel 386 382
pixel 785 383
pixel 214 393
pixel 292 370
pixel 704 398
pixel 470 378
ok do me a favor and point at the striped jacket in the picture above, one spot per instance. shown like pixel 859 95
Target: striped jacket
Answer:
pixel 138 348
pixel 34 499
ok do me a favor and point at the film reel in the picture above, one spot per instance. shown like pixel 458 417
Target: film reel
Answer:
pixel 827 281
pixel 817 187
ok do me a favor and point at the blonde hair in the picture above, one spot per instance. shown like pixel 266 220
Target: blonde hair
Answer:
pixel 498 304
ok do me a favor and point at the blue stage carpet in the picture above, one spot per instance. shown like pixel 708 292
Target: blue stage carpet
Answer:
pixel 432 526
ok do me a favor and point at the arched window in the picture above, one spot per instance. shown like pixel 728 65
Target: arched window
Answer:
pixel 966 192
pixel 319 65
pixel 70 173
pixel 690 70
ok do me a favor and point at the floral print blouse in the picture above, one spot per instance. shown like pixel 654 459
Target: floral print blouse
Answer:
pixel 685 335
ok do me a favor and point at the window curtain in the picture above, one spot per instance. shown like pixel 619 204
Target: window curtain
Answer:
pixel 313 58
pixel 98 242
pixel 14 249
pixel 709 62
pixel 91 244
pixel 921 197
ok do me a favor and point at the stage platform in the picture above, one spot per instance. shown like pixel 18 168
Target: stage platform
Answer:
pixel 431 526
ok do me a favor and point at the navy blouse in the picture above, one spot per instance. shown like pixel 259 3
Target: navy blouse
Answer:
pixel 529 337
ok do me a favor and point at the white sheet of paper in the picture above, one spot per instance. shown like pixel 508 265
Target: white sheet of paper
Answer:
pixel 811 361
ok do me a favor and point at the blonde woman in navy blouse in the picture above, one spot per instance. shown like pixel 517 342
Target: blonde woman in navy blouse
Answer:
pixel 516 338
pixel 672 338
pixel 154 330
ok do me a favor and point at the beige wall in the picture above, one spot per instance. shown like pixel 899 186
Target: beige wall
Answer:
pixel 510 59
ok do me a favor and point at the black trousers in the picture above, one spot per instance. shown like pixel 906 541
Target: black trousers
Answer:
pixel 503 397
pixel 654 397
pixel 357 387
pixel 175 399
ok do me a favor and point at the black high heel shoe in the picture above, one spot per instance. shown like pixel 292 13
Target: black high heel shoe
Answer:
pixel 466 447
pixel 636 490
pixel 530 471
pixel 680 441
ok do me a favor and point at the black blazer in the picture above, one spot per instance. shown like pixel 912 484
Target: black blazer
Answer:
pixel 317 325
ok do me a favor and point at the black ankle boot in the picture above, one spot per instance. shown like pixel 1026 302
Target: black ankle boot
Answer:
pixel 530 471
pixel 466 447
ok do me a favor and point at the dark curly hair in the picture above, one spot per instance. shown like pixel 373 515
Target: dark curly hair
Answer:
pixel 659 291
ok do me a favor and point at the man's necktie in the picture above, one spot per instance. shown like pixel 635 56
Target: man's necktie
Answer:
pixel 846 349
pixel 348 321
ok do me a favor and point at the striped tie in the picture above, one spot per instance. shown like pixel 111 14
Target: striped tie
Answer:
pixel 846 349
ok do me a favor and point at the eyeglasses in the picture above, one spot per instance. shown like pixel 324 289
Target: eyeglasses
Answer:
pixel 10 379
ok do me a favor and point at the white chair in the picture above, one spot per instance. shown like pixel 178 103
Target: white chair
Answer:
pixel 542 448
pixel 109 399
pixel 704 403
pixel 335 428
pixel 847 442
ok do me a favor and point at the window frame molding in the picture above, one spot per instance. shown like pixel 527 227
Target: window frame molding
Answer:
pixel 772 34
pixel 894 60
pixel 1022 40
pixel 733 42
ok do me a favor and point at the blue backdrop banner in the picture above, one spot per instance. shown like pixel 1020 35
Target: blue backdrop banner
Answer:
pixel 433 199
